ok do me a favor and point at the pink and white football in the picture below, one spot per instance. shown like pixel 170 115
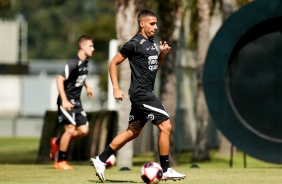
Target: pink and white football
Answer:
pixel 151 172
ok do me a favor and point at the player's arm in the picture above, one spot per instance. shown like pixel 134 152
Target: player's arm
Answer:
pixel 90 93
pixel 60 84
pixel 118 58
pixel 164 48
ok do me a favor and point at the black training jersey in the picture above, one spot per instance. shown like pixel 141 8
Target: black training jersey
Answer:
pixel 75 72
pixel 142 54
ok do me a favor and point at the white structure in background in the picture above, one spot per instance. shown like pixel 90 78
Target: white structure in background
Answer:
pixel 13 38
pixel 10 95
pixel 113 48
pixel 13 49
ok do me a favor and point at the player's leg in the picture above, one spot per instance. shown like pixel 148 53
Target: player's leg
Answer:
pixel 164 148
pixel 80 132
pixel 118 142
pixel 55 141
pixel 67 120
pixel 157 114
pixel 65 139
pixel 82 125
pixel 61 163
pixel 164 143
pixel 54 144
pixel 134 128
pixel 131 133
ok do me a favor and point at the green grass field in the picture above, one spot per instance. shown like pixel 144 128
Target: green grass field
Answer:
pixel 17 165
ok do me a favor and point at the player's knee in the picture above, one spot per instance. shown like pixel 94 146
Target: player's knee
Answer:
pixel 165 127
pixel 70 130
pixel 83 131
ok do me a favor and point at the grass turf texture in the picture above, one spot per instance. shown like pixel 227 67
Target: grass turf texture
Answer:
pixel 18 155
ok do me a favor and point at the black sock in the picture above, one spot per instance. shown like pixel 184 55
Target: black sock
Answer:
pixel 62 156
pixel 106 154
pixel 164 160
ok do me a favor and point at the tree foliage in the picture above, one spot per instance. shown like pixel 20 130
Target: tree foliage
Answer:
pixel 5 8
pixel 55 25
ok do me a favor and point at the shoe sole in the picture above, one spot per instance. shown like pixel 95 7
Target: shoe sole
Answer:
pixel 174 179
pixel 58 168
pixel 99 175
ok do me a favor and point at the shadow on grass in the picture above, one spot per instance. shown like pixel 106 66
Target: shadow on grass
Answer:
pixel 114 181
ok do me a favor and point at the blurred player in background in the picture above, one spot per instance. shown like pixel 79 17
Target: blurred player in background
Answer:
pixel 70 111
pixel 145 57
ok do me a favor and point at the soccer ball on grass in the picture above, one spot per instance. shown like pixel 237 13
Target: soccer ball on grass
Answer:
pixel 151 172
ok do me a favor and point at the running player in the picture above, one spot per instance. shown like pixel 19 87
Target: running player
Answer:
pixel 145 59
pixel 70 111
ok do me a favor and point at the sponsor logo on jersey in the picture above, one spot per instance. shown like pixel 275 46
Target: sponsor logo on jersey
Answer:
pixel 83 69
pixel 153 62
pixel 80 80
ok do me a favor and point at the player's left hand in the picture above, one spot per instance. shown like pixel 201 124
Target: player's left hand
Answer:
pixel 164 47
pixel 90 93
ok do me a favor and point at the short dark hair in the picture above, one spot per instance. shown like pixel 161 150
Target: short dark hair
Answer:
pixel 82 39
pixel 145 13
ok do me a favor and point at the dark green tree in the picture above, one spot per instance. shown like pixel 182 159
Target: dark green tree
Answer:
pixel 55 25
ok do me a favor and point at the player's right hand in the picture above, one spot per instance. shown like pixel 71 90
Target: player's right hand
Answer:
pixel 67 105
pixel 119 94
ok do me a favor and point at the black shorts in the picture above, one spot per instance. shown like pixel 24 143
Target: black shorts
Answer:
pixel 76 116
pixel 149 110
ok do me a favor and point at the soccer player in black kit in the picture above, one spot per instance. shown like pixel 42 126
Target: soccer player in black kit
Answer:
pixel 70 111
pixel 145 59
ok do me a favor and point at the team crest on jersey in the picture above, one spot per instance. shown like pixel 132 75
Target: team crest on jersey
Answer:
pixel 131 117
pixel 151 117
pixel 60 118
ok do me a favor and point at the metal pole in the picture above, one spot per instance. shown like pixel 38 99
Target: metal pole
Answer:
pixel 23 33
pixel 113 47
pixel 231 157
pixel 245 160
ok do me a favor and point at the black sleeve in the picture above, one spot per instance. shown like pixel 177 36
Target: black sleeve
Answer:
pixel 128 49
pixel 69 67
